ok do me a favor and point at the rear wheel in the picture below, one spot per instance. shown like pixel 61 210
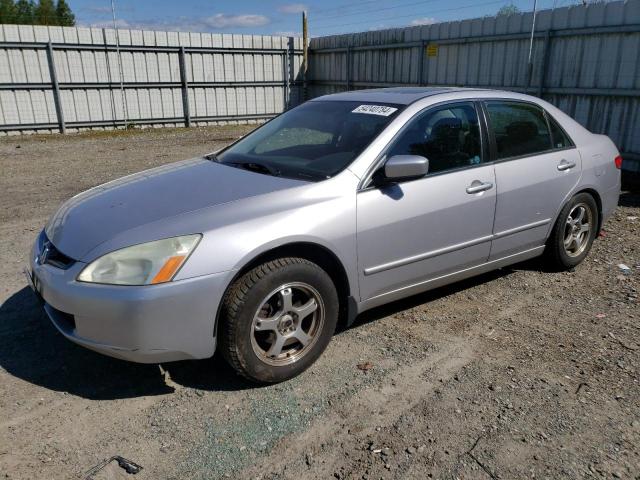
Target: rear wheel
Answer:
pixel 277 319
pixel 574 232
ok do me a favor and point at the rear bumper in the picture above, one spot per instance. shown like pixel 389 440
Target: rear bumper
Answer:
pixel 147 324
pixel 610 199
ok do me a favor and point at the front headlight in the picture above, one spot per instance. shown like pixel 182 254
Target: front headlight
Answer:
pixel 144 264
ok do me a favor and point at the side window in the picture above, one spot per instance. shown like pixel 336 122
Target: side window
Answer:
pixel 449 137
pixel 519 128
pixel 559 138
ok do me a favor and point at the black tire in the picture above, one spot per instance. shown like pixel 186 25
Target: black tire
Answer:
pixel 557 255
pixel 246 296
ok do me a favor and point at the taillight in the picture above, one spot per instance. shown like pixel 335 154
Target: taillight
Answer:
pixel 618 161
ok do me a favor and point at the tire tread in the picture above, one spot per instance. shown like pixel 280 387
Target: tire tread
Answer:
pixel 554 253
pixel 233 301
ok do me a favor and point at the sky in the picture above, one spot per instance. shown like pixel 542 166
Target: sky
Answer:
pixel 282 17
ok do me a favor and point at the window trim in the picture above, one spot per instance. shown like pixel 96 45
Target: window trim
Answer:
pixel 365 184
pixel 486 138
pixel 549 117
pixel 492 136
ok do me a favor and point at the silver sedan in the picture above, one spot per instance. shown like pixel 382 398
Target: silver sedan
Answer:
pixel 344 203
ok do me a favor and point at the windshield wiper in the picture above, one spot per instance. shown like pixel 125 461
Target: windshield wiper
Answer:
pixel 312 176
pixel 212 156
pixel 256 167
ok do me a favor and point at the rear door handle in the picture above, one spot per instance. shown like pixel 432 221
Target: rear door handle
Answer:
pixel 564 165
pixel 477 186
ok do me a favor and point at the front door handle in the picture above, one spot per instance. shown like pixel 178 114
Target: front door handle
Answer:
pixel 477 186
pixel 564 165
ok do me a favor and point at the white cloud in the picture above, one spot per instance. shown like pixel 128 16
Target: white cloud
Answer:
pixel 219 21
pixel 222 20
pixel 105 10
pixel 120 23
pixel 423 21
pixel 292 8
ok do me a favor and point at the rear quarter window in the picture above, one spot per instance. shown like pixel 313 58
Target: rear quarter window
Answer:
pixel 558 136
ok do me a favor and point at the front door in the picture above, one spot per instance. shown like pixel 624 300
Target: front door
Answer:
pixel 414 231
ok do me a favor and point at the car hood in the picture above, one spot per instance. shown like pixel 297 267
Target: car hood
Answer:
pixel 97 215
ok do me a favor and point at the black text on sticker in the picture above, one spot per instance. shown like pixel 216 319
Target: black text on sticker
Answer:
pixel 375 110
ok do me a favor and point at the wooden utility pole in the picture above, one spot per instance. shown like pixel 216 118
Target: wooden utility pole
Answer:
pixel 305 55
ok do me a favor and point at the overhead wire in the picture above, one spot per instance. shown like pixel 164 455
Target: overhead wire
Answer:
pixel 394 7
pixel 339 7
pixel 415 15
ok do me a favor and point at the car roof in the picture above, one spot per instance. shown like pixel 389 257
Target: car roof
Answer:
pixel 397 95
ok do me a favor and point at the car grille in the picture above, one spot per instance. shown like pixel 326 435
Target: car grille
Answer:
pixel 53 256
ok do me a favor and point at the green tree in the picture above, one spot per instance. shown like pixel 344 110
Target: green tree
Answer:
pixel 24 12
pixel 510 9
pixel 66 18
pixel 45 13
pixel 7 11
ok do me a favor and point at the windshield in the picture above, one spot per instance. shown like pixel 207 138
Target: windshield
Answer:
pixel 313 141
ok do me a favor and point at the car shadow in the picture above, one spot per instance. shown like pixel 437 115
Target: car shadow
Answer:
pixel 629 199
pixel 34 351
pixel 408 303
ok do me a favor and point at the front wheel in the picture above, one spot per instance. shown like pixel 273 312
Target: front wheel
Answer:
pixel 574 232
pixel 277 319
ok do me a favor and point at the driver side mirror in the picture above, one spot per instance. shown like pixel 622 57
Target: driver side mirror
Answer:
pixel 405 167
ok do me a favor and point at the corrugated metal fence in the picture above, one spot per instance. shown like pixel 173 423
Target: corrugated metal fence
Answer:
pixel 58 78
pixel 586 61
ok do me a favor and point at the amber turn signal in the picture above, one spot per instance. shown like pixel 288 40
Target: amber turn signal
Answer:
pixel 169 269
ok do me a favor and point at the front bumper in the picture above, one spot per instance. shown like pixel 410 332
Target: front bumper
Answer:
pixel 146 324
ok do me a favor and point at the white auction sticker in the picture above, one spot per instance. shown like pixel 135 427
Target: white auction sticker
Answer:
pixel 375 110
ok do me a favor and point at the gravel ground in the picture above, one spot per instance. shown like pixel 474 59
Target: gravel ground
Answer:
pixel 521 373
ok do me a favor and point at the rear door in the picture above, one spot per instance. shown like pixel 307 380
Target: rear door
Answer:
pixel 536 167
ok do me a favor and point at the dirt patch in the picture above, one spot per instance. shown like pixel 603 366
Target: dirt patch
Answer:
pixel 520 373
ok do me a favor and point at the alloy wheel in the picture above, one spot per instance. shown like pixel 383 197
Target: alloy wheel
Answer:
pixel 287 323
pixel 577 229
